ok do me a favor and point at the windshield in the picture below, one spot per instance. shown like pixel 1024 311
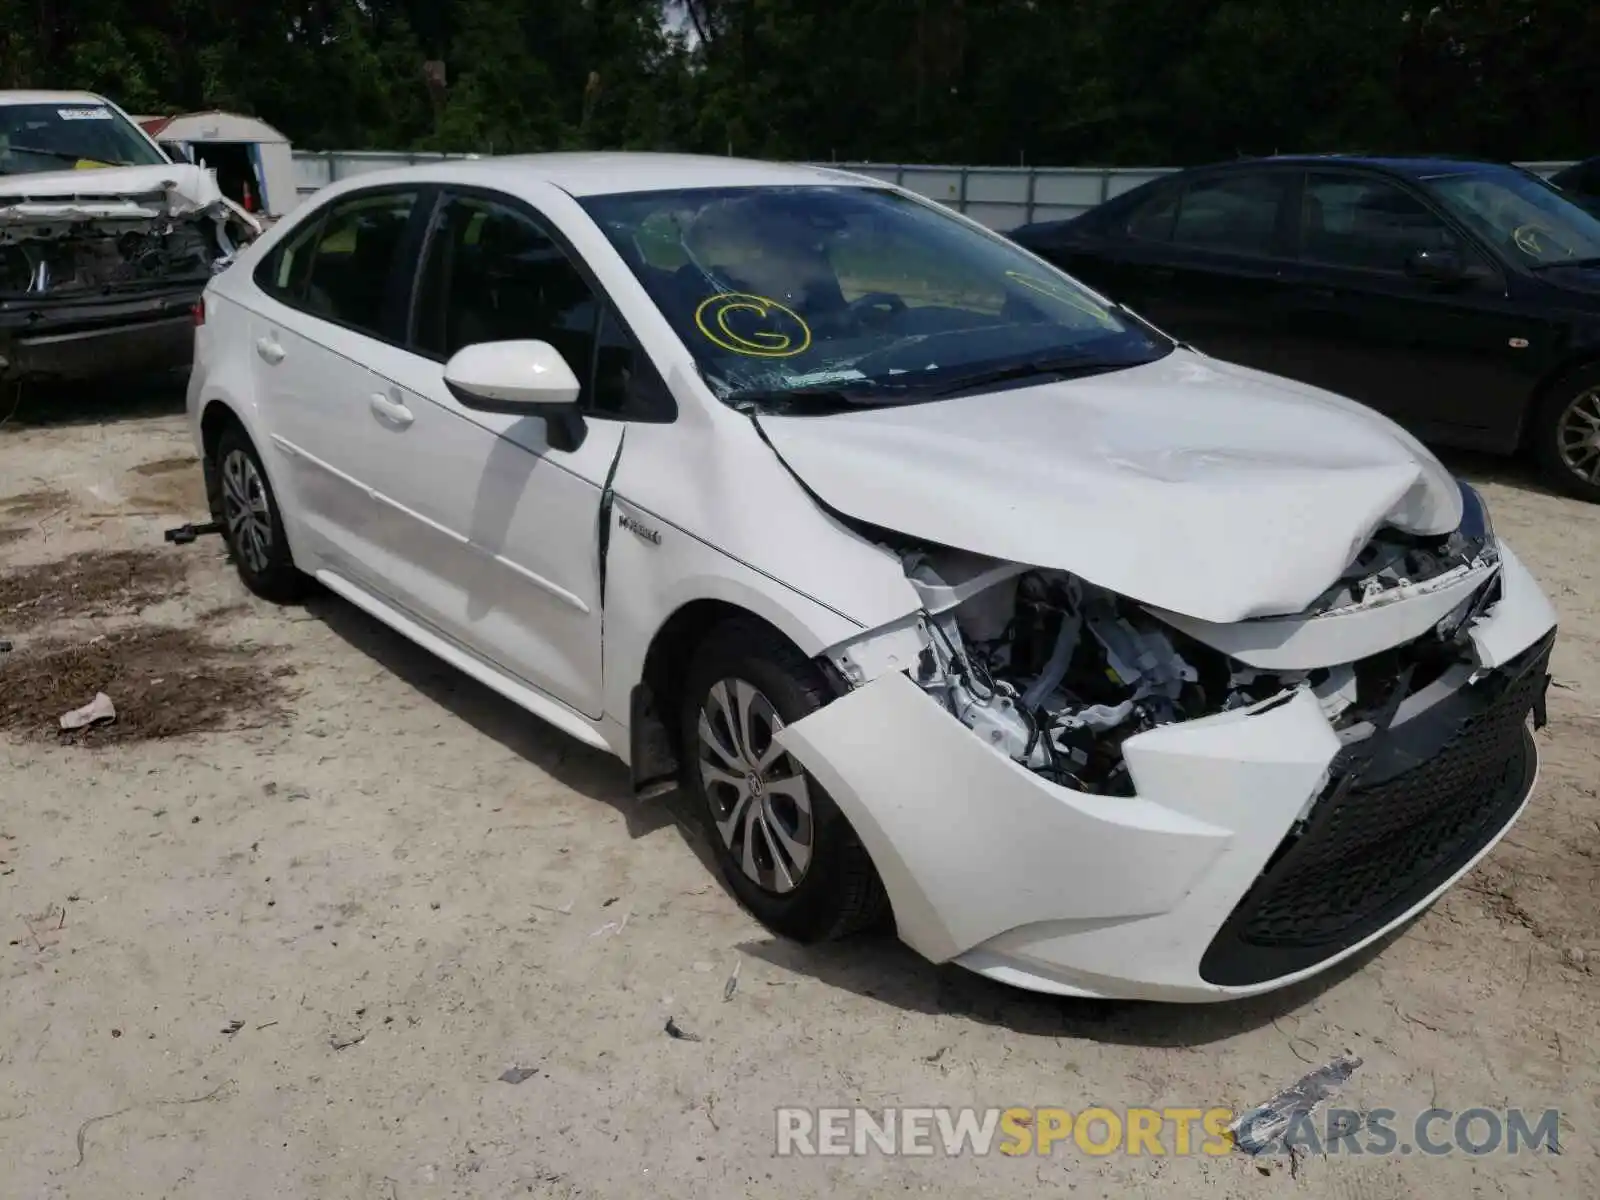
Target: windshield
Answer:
pixel 1524 216
pixel 849 295
pixel 62 137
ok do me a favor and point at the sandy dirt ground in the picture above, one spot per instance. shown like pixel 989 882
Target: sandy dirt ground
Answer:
pixel 288 947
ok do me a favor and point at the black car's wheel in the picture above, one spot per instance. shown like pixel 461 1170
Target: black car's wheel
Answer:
pixel 251 521
pixel 1566 434
pixel 783 846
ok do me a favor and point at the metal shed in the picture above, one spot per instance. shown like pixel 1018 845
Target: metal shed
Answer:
pixel 253 161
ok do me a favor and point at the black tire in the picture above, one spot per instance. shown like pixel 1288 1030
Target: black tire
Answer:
pixel 1545 433
pixel 839 892
pixel 268 570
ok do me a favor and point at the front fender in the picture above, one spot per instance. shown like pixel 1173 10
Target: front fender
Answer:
pixel 647 581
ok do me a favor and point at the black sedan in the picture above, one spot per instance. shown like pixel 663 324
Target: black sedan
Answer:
pixel 1581 181
pixel 1460 298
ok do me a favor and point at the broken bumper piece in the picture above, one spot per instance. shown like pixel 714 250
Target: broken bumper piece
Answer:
pixel 1258 849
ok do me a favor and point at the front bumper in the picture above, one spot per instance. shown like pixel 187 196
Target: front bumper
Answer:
pixel 90 339
pixel 1257 851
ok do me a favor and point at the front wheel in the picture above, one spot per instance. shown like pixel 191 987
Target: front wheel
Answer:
pixel 781 843
pixel 252 523
pixel 1566 435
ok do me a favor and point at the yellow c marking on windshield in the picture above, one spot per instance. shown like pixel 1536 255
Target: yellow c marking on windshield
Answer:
pixel 1060 291
pixel 712 319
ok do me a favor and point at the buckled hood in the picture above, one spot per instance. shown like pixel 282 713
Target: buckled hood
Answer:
pixel 1190 484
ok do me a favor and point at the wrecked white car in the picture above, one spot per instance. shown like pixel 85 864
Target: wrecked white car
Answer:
pixel 105 244
pixel 948 589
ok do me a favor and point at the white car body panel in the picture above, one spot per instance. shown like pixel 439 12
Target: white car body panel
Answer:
pixel 1051 889
pixel 1223 500
pixel 1329 639
pixel 1525 615
pixel 1276 490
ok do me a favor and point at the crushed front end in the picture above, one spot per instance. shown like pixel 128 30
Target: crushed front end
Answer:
pixel 104 279
pixel 1144 805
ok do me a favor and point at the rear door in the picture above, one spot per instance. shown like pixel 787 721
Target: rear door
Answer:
pixel 329 301
pixel 1203 259
pixel 1440 358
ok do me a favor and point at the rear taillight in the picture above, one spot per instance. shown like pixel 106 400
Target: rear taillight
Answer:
pixel 199 311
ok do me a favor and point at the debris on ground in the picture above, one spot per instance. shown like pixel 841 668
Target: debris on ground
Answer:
pixel 345 1043
pixel 519 1074
pixel 732 986
pixel 614 926
pixel 681 1035
pixel 168 682
pixel 95 583
pixel 1262 1128
pixel 33 504
pixel 233 1027
pixel 93 713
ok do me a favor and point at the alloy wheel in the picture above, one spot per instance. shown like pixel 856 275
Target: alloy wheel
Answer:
pixel 758 794
pixel 245 510
pixel 1578 436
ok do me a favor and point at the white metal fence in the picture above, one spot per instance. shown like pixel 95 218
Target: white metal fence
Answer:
pixel 1000 197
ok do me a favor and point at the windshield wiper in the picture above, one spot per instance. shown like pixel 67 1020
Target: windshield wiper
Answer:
pixel 1592 260
pixel 66 155
pixel 826 396
pixel 1061 366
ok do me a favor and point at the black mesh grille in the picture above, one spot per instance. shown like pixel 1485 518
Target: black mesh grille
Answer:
pixel 1370 850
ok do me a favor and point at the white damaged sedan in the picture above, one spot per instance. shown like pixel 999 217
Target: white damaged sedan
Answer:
pixel 951 591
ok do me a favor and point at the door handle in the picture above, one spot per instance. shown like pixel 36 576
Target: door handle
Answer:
pixel 268 348
pixel 389 410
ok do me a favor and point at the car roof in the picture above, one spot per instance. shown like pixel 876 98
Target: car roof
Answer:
pixel 9 98
pixel 1413 166
pixel 607 173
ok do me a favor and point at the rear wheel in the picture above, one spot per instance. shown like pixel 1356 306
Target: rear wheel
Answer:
pixel 1566 435
pixel 782 845
pixel 252 525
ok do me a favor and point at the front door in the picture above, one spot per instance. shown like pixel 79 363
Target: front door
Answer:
pixel 502 545
pixel 1449 361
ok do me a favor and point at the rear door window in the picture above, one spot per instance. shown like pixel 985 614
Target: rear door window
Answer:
pixel 350 275
pixel 1153 220
pixel 1233 214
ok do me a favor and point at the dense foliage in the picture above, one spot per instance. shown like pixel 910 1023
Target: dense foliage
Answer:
pixel 981 81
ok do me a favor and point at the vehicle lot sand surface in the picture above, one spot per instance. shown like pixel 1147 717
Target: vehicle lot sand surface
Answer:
pixel 281 929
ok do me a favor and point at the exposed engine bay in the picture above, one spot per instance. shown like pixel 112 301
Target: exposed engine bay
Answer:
pixel 90 259
pixel 1057 673
pixel 104 279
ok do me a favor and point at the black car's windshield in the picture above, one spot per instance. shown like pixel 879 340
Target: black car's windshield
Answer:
pixel 790 296
pixel 61 137
pixel 1524 216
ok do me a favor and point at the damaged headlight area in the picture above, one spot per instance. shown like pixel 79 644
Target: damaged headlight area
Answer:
pixel 1056 673
pixel 1393 562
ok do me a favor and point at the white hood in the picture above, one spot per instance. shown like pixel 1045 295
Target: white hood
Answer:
pixel 162 190
pixel 1189 484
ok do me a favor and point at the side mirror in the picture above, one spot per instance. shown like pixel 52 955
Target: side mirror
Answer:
pixel 519 379
pixel 1445 267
